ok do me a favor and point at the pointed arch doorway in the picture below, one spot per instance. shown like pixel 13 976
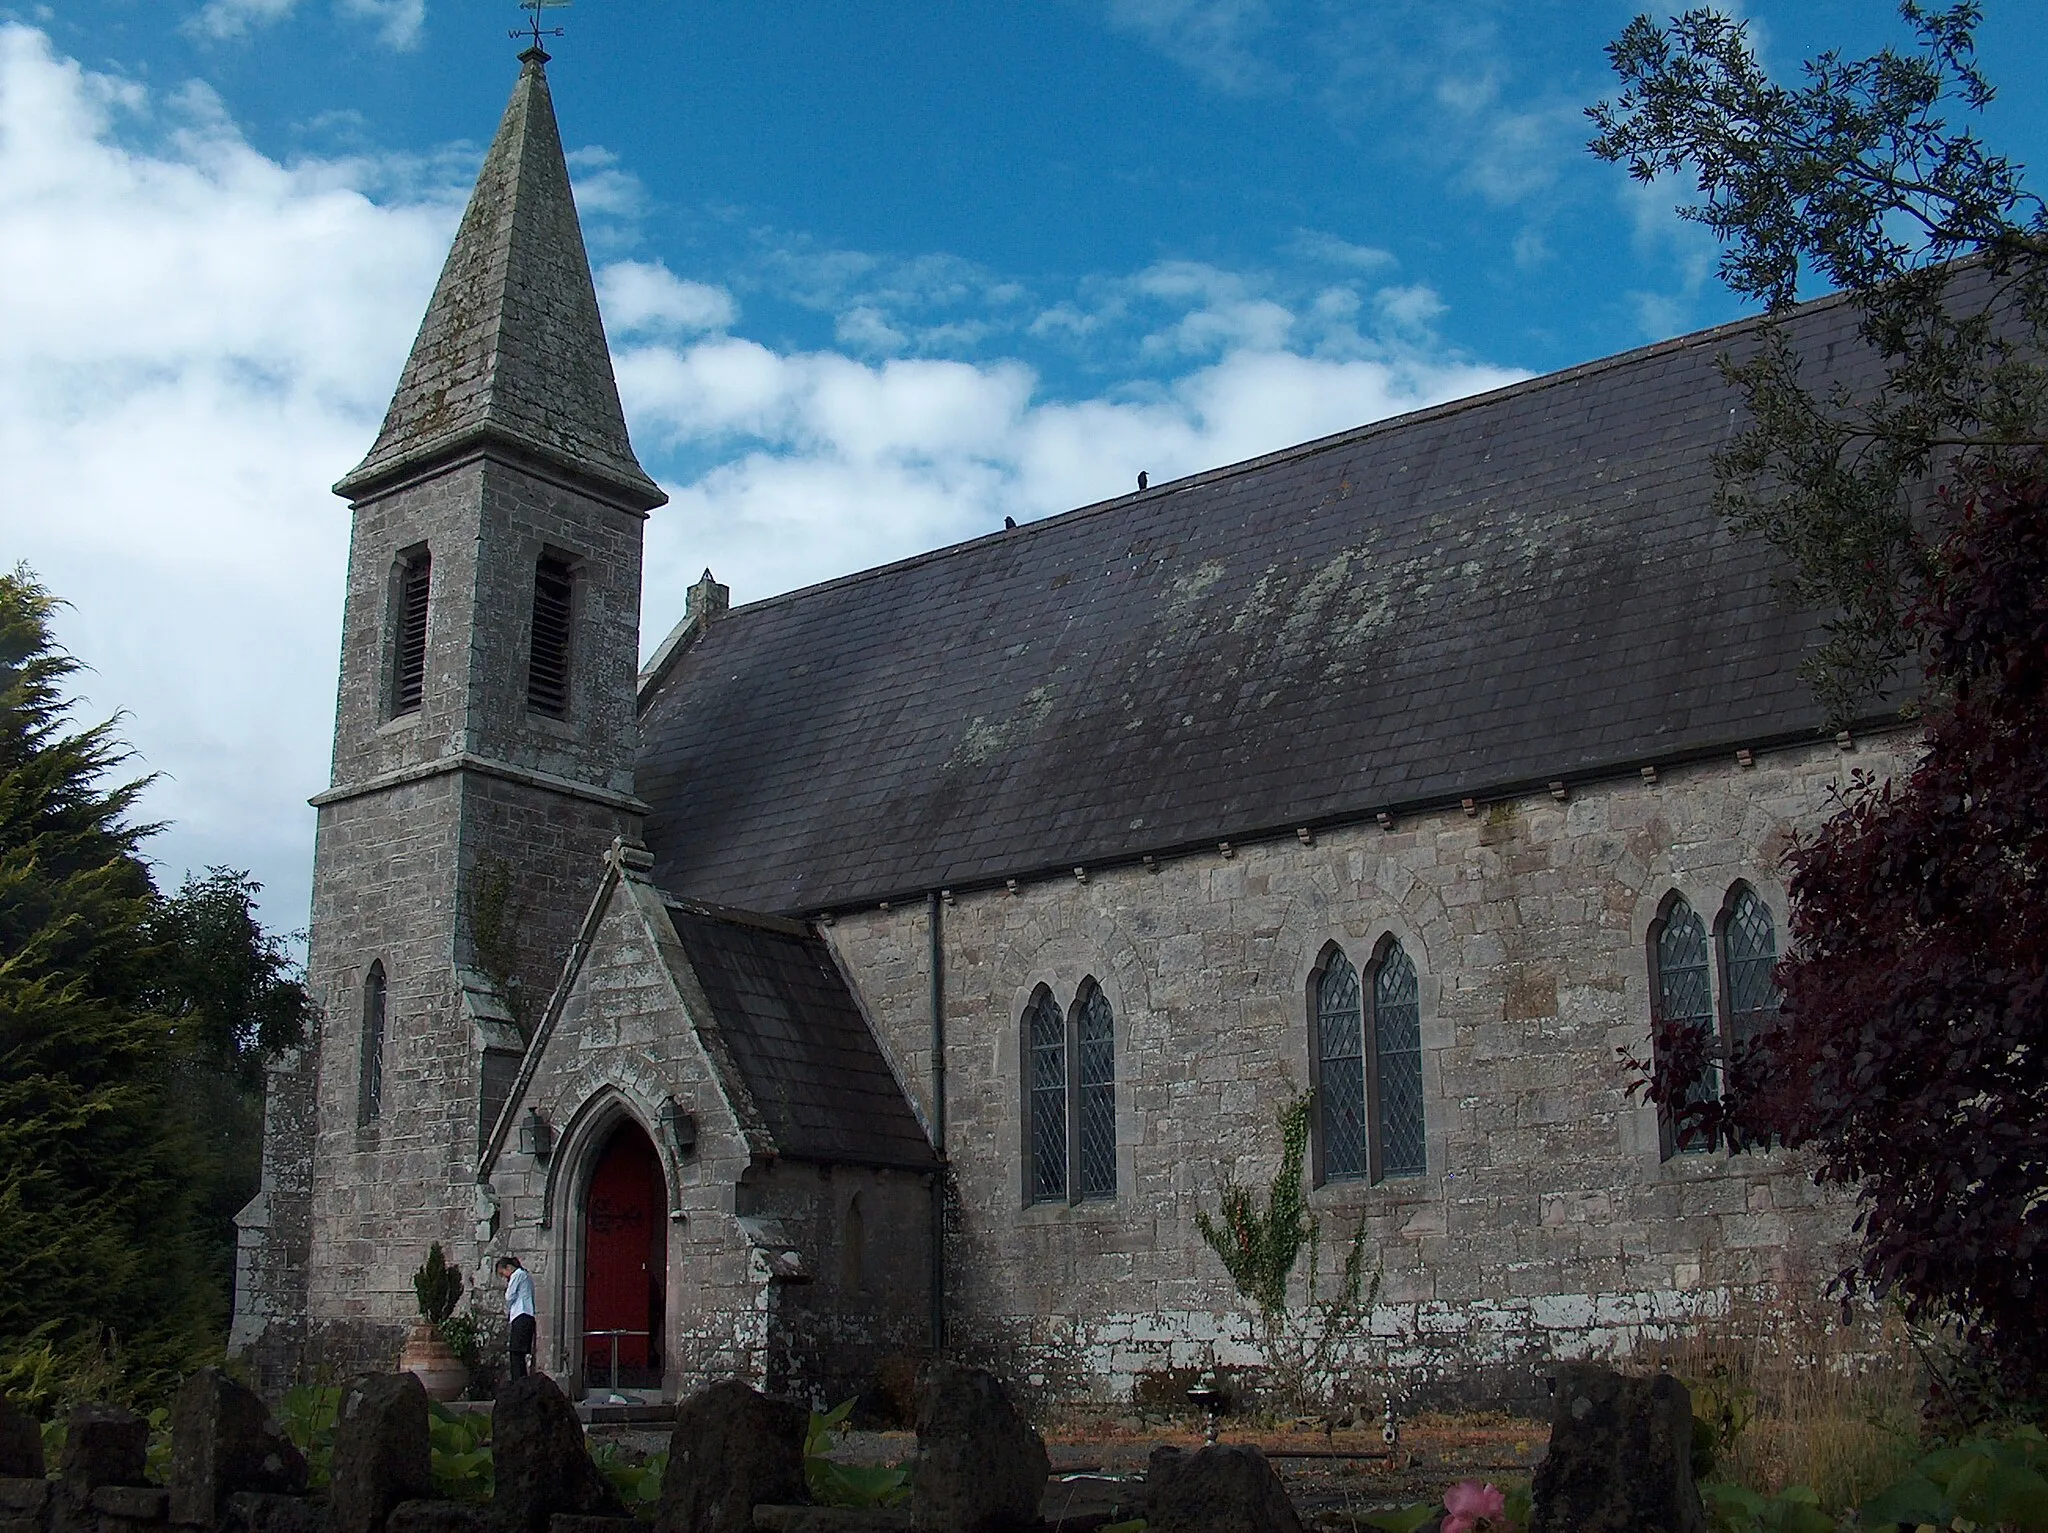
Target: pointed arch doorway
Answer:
pixel 625 1262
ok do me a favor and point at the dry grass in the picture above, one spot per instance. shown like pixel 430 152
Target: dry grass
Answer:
pixel 1803 1399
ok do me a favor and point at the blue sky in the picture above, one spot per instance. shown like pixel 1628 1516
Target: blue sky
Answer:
pixel 876 276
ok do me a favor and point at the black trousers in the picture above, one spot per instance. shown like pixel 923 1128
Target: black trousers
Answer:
pixel 522 1345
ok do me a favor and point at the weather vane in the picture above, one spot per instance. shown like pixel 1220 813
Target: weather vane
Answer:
pixel 534 28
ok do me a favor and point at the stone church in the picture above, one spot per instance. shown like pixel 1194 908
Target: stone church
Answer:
pixel 902 963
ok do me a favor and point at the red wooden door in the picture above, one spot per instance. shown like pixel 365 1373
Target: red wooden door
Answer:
pixel 625 1261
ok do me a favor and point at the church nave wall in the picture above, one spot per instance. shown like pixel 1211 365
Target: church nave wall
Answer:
pixel 1545 1222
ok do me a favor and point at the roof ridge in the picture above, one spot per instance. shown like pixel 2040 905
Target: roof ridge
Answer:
pixel 1298 451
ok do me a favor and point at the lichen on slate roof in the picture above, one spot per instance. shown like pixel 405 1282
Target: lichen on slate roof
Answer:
pixel 1476 599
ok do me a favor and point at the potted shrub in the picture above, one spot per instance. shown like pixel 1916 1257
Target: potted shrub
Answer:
pixel 426 1354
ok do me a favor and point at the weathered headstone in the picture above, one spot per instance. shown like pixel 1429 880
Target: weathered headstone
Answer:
pixel 223 1441
pixel 104 1445
pixel 1620 1457
pixel 126 1506
pixel 731 1450
pixel 255 1511
pixel 980 1466
pixel 1223 1488
pixel 437 1517
pixel 540 1462
pixel 21 1444
pixel 380 1451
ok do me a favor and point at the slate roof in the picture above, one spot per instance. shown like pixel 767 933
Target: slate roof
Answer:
pixel 512 349
pixel 799 1040
pixel 1474 599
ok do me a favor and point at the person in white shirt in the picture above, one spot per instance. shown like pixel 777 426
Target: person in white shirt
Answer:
pixel 519 1310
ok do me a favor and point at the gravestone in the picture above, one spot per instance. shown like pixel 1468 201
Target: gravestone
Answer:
pixel 1223 1488
pixel 730 1451
pixel 223 1441
pixel 21 1444
pixel 980 1466
pixel 1620 1458
pixel 380 1451
pixel 104 1445
pixel 540 1461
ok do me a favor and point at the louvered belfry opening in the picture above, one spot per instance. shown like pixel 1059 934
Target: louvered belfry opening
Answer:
pixel 409 670
pixel 547 671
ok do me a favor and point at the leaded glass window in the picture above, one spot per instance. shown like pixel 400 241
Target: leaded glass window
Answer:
pixel 1045 1042
pixel 1749 952
pixel 1397 1055
pixel 370 1106
pixel 1340 1070
pixel 1095 1043
pixel 1685 996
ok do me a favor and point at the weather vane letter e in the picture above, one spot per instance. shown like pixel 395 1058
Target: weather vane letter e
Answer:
pixel 534 29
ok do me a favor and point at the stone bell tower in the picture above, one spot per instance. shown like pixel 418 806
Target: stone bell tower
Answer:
pixel 483 760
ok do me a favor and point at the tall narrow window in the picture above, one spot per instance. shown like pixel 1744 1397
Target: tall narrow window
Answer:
pixel 1685 996
pixel 1095 1048
pixel 1397 1066
pixel 1749 998
pixel 371 1104
pixel 1340 1070
pixel 409 657
pixel 1045 1048
pixel 1749 952
pixel 547 668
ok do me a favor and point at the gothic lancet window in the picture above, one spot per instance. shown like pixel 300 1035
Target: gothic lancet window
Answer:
pixel 409 653
pixel 547 669
pixel 371 1103
pixel 1095 1133
pixel 1397 1066
pixel 1045 1045
pixel 1749 952
pixel 1070 1098
pixel 1749 997
pixel 1340 1073
pixel 1368 1051
pixel 1683 988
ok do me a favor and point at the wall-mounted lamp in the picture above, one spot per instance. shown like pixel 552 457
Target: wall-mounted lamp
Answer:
pixel 680 1124
pixel 535 1137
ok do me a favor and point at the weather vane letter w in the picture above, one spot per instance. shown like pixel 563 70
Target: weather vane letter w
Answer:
pixel 533 28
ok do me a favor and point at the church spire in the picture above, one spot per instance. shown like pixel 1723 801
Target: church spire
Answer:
pixel 512 349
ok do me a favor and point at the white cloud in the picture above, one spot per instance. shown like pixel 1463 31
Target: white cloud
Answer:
pixel 400 22
pixel 865 328
pixel 196 341
pixel 851 464
pixel 647 296
pixel 224 19
pixel 1215 39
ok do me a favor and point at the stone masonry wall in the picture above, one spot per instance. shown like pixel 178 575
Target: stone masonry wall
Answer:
pixel 865 1238
pixel 1546 1225
pixel 623 1045
pixel 420 802
pixel 763 1284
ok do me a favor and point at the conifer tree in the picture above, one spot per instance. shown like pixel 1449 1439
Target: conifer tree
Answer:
pixel 128 1027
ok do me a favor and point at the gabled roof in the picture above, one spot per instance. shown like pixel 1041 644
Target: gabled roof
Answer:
pixel 512 349
pixel 796 1035
pixel 1473 600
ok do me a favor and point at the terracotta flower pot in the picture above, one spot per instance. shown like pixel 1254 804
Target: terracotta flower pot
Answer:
pixel 428 1357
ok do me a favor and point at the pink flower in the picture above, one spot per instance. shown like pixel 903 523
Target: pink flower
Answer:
pixel 1471 1505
